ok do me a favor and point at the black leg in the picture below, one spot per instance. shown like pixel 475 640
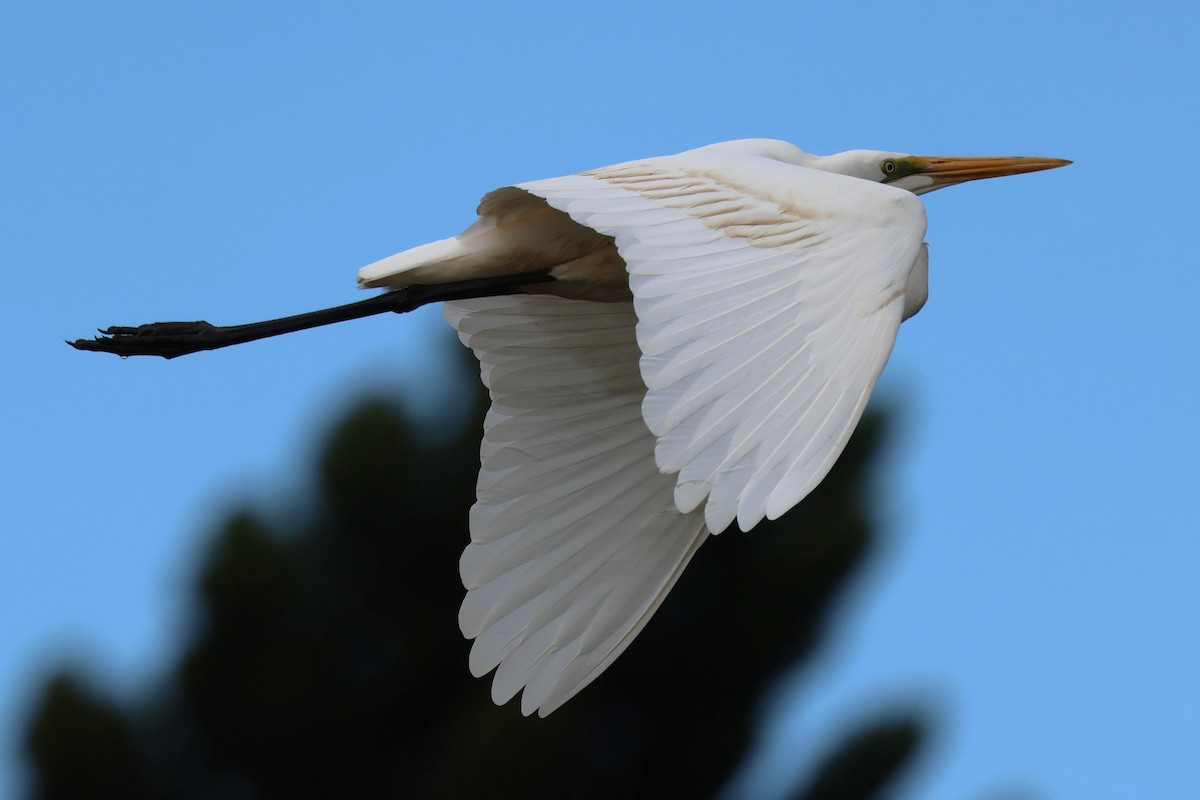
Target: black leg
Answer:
pixel 171 339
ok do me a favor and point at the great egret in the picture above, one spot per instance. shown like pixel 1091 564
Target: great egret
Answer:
pixel 670 344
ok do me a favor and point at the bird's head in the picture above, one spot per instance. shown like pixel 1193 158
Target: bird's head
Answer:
pixel 921 174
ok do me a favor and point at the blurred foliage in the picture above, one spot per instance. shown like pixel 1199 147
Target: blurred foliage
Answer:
pixel 326 659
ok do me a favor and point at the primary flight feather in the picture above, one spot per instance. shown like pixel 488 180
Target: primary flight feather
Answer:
pixel 671 345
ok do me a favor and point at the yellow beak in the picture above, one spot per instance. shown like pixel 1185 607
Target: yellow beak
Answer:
pixel 945 170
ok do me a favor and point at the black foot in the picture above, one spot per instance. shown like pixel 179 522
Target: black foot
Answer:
pixel 166 339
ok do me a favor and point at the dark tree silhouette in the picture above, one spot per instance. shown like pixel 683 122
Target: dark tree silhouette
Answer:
pixel 326 659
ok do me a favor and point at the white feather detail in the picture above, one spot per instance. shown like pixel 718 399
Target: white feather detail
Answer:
pixel 575 539
pixel 767 297
pixel 762 323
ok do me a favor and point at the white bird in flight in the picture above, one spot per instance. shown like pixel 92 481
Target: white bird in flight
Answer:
pixel 671 344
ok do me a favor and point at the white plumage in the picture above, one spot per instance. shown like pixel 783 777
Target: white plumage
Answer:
pixel 718 322
pixel 670 345
pixel 575 539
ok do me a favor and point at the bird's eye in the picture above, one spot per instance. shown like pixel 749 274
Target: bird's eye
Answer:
pixel 888 167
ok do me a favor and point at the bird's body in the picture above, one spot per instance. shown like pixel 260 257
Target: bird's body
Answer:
pixel 519 231
pixel 715 327
pixel 670 345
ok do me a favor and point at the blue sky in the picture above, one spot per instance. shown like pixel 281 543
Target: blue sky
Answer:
pixel 235 161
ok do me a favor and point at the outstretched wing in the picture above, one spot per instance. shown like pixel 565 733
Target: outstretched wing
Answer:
pixel 766 301
pixel 575 538
pixel 768 297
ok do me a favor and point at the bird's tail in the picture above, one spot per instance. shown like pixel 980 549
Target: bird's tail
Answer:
pixel 421 264
pixel 507 239
pixel 517 233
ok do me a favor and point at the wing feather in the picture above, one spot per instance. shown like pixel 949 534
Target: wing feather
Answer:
pixel 768 297
pixel 575 538
pixel 766 301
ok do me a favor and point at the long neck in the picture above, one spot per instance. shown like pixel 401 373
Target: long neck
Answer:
pixel 854 163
